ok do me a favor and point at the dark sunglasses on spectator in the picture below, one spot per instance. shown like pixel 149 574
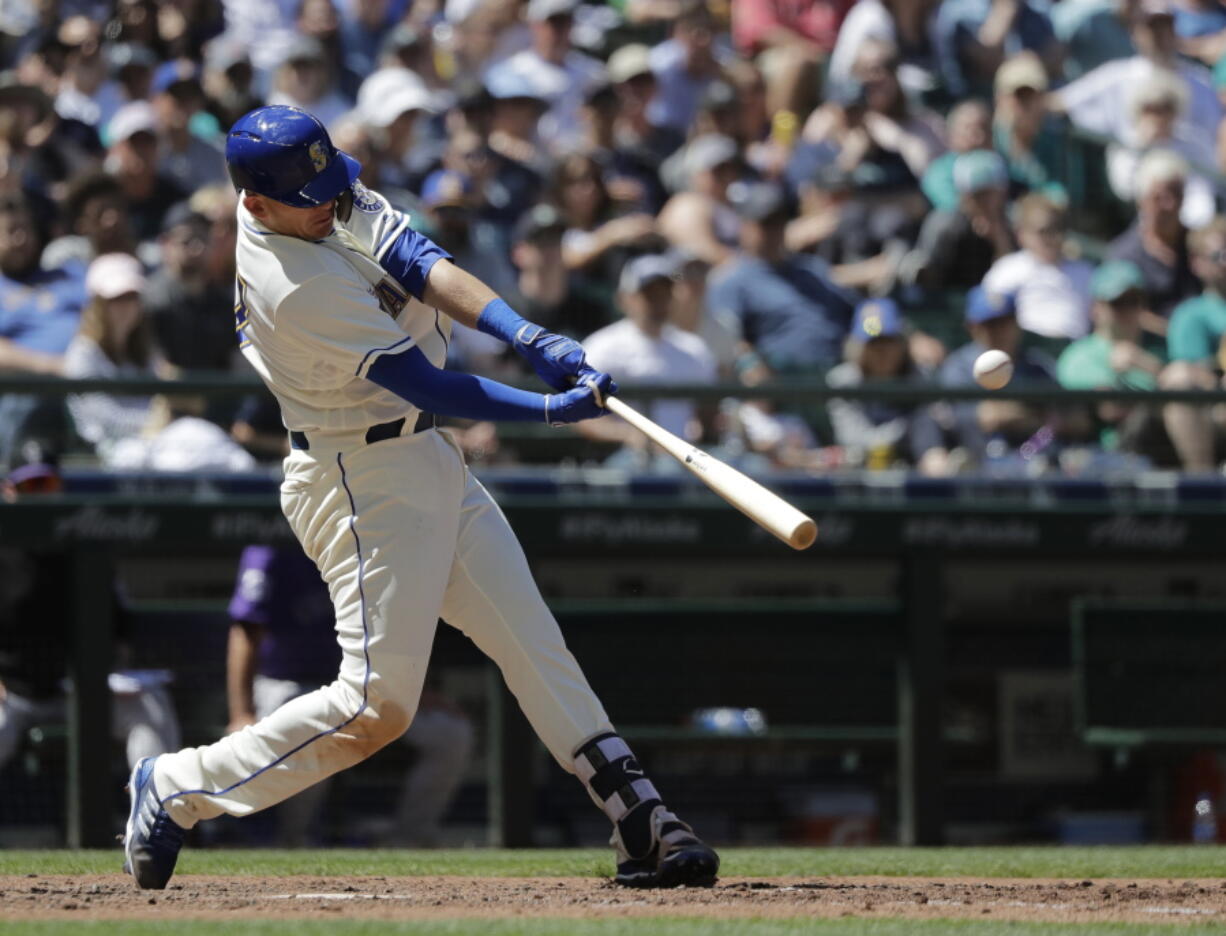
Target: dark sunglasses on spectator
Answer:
pixel 1133 299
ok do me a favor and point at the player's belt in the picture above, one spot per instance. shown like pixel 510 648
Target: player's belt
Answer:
pixel 388 430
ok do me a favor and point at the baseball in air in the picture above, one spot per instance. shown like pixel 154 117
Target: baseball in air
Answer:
pixel 993 369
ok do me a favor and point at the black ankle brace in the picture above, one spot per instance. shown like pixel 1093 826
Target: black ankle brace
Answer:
pixel 607 767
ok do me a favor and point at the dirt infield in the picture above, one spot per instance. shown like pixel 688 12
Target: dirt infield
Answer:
pixel 414 898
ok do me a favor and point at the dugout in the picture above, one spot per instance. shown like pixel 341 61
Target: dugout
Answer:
pixel 921 650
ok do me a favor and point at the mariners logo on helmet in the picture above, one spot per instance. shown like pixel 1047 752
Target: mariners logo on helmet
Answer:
pixel 319 157
pixel 364 199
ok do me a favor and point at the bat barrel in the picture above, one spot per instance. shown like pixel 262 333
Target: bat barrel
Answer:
pixel 763 507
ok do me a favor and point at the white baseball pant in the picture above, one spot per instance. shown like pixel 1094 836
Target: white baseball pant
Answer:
pixel 402 534
pixel 443 741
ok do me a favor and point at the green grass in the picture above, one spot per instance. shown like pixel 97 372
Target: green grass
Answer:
pixel 1148 861
pixel 640 926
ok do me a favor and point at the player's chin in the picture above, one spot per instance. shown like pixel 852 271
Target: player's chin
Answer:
pixel 321 227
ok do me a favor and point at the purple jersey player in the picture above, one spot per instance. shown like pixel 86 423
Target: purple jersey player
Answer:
pixel 282 645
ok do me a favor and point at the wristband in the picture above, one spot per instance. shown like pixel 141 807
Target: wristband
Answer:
pixel 501 321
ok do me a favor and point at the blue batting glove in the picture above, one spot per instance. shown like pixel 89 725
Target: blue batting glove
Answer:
pixel 585 401
pixel 557 360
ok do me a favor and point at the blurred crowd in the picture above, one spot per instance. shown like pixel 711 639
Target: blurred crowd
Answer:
pixel 700 191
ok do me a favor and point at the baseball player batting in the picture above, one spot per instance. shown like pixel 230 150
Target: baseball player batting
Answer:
pixel 384 505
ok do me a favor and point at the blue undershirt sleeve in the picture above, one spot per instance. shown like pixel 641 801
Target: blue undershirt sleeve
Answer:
pixel 410 258
pixel 411 376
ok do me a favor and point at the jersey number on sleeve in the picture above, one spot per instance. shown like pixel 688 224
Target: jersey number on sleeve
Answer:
pixel 240 311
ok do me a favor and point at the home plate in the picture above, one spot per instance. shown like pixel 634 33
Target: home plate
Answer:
pixel 1186 911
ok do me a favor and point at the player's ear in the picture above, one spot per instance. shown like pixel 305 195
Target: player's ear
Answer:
pixel 255 204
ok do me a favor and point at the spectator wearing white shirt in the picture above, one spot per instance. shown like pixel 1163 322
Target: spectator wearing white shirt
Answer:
pixel 645 348
pixel 558 73
pixel 1052 292
pixel 1157 110
pixel 1101 102
pixel 114 340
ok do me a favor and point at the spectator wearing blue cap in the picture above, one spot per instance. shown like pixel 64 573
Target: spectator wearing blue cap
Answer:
pixel 991 321
pixel 645 347
pixel 791 312
pixel 878 434
pixel 957 248
pixel 187 160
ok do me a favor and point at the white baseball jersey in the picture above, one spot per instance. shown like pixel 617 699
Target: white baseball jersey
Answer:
pixel 313 316
pixel 401 531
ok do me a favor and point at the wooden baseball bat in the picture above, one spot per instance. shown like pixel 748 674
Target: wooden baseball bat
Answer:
pixel 768 510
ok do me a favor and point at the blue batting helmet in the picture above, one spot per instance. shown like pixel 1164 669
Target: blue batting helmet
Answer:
pixel 285 153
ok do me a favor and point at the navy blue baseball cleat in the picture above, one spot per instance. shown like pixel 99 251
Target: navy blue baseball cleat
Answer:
pixel 152 840
pixel 677 858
